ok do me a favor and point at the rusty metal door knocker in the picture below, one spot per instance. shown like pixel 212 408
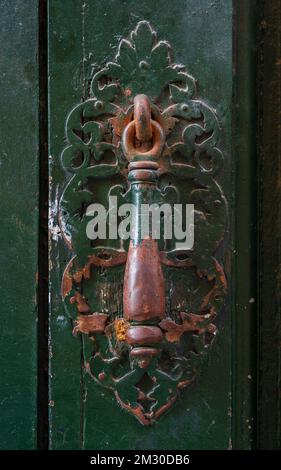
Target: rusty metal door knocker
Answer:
pixel 144 286
pixel 146 309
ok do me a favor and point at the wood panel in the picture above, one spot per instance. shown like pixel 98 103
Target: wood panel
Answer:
pixel 19 177
pixel 82 37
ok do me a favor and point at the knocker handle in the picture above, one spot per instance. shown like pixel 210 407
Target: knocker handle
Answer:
pixel 144 285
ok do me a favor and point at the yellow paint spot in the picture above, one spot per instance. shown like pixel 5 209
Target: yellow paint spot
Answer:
pixel 121 327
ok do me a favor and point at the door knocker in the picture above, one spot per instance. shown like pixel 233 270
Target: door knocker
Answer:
pixel 145 308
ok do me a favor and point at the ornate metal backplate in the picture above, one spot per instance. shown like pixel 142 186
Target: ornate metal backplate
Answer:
pixel 146 310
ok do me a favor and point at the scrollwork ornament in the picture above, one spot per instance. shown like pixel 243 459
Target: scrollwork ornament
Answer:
pixel 145 383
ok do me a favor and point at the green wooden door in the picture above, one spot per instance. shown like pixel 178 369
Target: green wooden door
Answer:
pixel 110 344
pixel 83 38
pixel 19 231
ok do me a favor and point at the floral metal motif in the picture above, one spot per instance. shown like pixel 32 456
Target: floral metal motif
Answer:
pixel 145 383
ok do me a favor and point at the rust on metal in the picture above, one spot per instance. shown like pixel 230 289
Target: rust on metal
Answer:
pixel 101 376
pixel 75 274
pixel 190 322
pixel 165 407
pixel 143 355
pixel 66 286
pixel 185 383
pixel 219 286
pixel 221 274
pixel 185 262
pixel 128 139
pixel 142 118
pixel 144 288
pixel 80 300
pixel 121 326
pixel 143 165
pixel 144 335
pixel 94 323
pixel 136 411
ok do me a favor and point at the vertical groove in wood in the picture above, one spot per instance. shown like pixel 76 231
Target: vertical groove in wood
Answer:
pixel 65 71
pixel 269 133
pixel 244 335
pixel 42 401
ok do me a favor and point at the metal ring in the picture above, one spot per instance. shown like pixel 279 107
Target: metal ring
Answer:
pixel 128 141
pixel 142 118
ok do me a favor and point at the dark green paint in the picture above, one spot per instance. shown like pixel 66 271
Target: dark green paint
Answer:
pixel 19 223
pixel 269 201
pixel 65 387
pixel 82 416
pixel 244 303
pixel 200 33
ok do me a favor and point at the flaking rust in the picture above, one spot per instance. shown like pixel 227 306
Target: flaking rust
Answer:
pixel 144 134
pixel 89 324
